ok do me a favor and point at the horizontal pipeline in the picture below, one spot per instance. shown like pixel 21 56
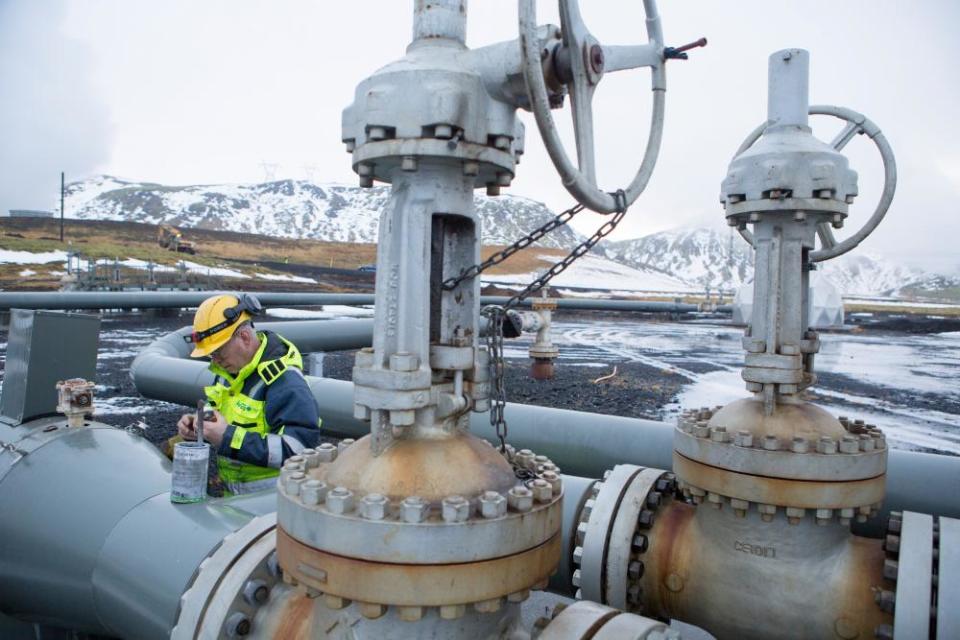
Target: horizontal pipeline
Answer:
pixel 186 299
pixel 581 443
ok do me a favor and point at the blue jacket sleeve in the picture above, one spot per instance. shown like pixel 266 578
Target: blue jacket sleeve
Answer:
pixel 293 419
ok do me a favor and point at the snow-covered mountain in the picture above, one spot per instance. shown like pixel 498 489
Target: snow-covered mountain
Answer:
pixel 722 260
pixel 287 209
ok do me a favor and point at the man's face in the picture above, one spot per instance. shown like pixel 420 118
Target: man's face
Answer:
pixel 234 354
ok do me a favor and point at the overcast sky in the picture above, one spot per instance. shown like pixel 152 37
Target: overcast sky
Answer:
pixel 204 91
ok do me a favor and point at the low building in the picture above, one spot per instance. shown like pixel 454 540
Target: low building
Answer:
pixel 30 213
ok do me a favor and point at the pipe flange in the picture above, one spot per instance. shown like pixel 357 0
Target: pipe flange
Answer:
pixel 859 454
pixel 380 528
pixel 586 619
pixel 231 584
pixel 612 534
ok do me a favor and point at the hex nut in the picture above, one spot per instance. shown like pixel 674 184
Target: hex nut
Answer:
pixel 639 543
pixel 767 512
pixel 892 543
pixel 361 412
pixel 645 519
pixel 824 516
pixel 402 417
pixel 335 602
pixel 455 509
pixel 890 569
pixel 715 500
pixel 849 444
pixel 794 514
pixel 340 500
pixel 587 508
pixel 581 532
pixel 487 606
pixel 654 499
pixel 492 505
pixel 826 445
pixel 718 434
pixel 518 596
pixel 524 458
pixel 373 506
pixel 701 430
pixel 376 133
pixel 452 611
pixel 554 479
pixel 409 163
pixel 520 498
pixel 635 570
pixel 293 483
pixel 256 592
pixel 578 555
pixel 327 452
pixel 799 445
pixel 575 578
pixel 471 168
pixel 404 361
pixel 237 625
pixel 771 443
pixel 414 509
pixel 410 614
pixel 743 439
pixel 344 444
pixel 542 491
pixel 443 131
pixel 371 610
pixel 313 492
pixel 866 442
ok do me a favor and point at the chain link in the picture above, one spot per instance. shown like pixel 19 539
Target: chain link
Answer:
pixel 496 313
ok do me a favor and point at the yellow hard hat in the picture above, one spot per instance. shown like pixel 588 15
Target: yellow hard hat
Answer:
pixel 216 320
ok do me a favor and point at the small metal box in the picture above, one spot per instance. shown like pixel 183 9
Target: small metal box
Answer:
pixel 44 347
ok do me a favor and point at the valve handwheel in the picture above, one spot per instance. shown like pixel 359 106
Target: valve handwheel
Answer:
pixel 583 60
pixel 857 123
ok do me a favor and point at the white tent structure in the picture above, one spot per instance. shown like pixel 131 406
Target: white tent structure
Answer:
pixel 826 304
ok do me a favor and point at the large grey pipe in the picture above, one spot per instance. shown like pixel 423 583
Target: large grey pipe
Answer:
pixel 89 539
pixel 184 299
pixel 584 444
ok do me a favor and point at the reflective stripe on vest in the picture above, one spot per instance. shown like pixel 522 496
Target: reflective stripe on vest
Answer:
pixel 239 488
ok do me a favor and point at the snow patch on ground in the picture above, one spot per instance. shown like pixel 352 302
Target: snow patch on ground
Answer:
pixel 30 257
pixel 329 311
pixel 284 278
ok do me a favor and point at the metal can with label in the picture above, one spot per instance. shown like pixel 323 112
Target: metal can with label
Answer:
pixel 189 478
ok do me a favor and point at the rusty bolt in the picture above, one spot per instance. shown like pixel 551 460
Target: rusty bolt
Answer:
pixel 718 434
pixel 340 500
pixel 524 458
pixel 313 492
pixel 410 614
pixel 327 452
pixel 743 439
pixel 542 491
pixel 771 443
pixel 639 544
pixel 492 505
pixel 890 569
pixel 849 444
pixel 365 182
pixel 455 509
pixel 493 189
pixel 827 445
pixel 520 498
pixel 794 514
pixel 635 570
pixel 487 606
pixel 504 179
pixel 824 516
pixel 292 486
pixel 373 506
pixel 799 445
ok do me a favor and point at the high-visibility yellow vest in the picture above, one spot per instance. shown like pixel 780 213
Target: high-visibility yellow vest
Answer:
pixel 247 412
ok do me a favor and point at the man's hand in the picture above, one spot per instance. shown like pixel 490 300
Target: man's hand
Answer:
pixel 185 427
pixel 213 430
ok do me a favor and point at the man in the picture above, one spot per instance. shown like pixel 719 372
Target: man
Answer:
pixel 263 411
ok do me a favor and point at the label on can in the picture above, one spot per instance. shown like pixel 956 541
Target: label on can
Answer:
pixel 189 478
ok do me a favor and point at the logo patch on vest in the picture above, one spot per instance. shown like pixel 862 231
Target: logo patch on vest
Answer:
pixel 243 406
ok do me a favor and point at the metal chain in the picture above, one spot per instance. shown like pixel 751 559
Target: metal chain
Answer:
pixel 497 313
pixel 474 270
